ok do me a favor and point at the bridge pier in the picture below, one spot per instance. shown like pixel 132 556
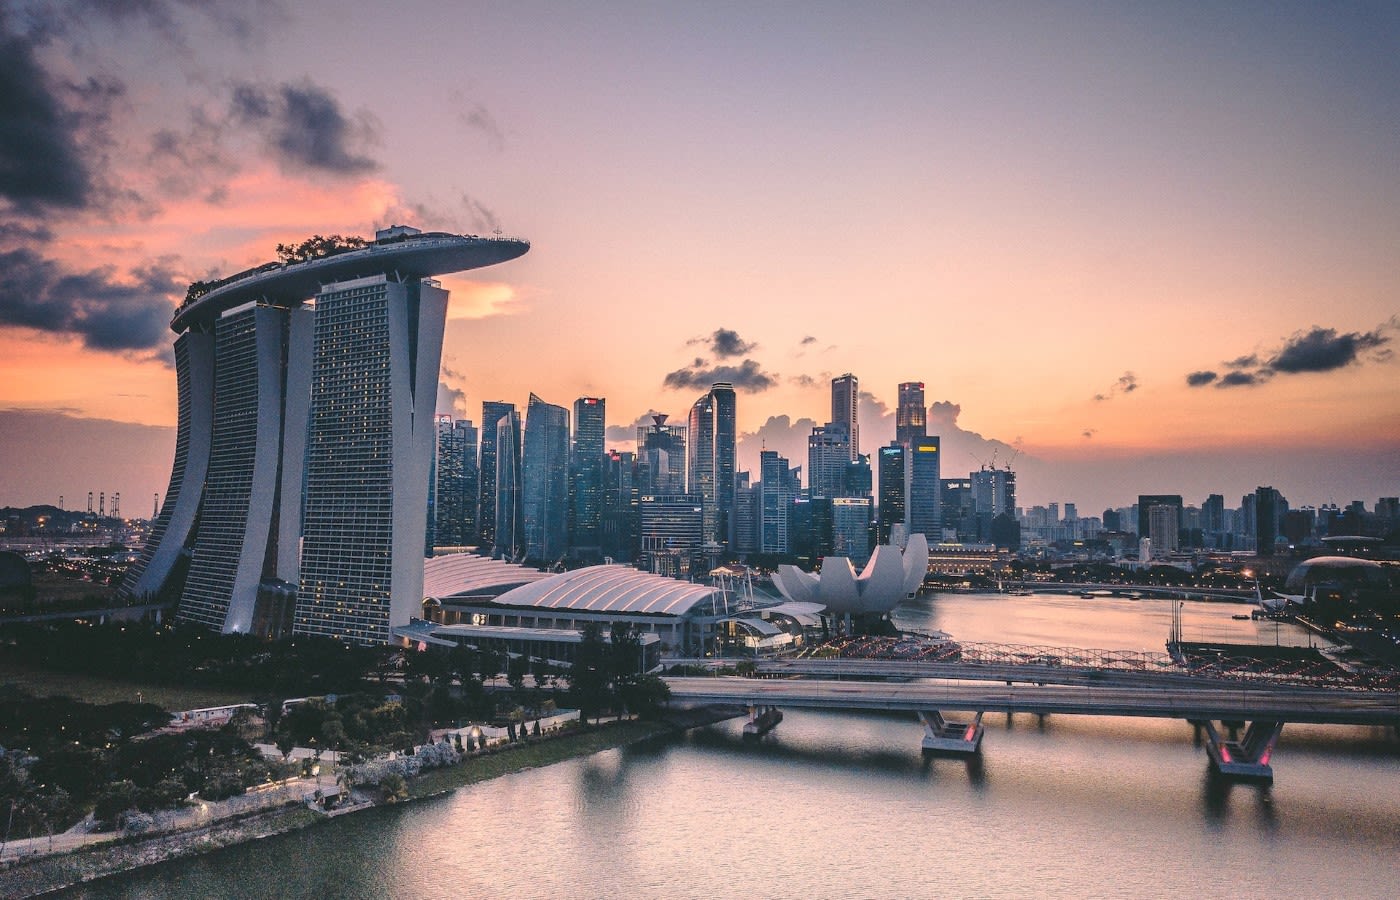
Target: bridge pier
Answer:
pixel 1247 758
pixel 762 719
pixel 942 736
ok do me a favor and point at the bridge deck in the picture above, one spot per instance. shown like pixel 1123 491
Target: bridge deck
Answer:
pixel 1176 701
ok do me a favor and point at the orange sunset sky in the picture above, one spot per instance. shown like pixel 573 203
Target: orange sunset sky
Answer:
pixel 1135 248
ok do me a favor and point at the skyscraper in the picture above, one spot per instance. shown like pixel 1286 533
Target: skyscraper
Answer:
pixel 371 440
pixel 307 429
pixel 1146 502
pixel 257 350
pixel 894 481
pixel 661 451
pixel 828 459
pixel 850 529
pixel 712 459
pixel 545 481
pixel 491 413
pixel 910 416
pixel 307 436
pixel 1269 510
pixel 775 495
pixel 509 528
pixel 1162 532
pixel 453 490
pixel 925 510
pixel 586 474
pixel 845 409
pixel 620 516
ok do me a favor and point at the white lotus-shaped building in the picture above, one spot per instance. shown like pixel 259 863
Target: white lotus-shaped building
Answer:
pixel 888 578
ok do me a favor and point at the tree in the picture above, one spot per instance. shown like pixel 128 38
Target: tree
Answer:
pixel 588 676
pixel 318 246
pixel 516 668
pixel 645 695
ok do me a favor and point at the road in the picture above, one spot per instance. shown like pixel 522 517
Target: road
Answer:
pixel 1176 701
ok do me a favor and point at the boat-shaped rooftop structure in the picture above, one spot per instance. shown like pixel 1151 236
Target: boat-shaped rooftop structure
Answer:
pixel 401 253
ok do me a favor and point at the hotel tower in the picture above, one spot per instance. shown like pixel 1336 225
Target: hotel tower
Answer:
pixel 305 439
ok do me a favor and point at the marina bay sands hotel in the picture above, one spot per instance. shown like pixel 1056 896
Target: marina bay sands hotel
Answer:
pixel 307 394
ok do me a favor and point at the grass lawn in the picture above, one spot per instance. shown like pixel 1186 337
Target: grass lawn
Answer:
pixel 42 683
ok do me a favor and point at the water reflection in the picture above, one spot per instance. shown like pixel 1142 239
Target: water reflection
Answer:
pixel 1053 806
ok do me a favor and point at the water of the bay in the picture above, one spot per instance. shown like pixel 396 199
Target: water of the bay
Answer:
pixel 845 805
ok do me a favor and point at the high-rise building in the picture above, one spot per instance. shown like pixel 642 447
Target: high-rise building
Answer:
pixel 894 485
pixel 452 491
pixel 1145 503
pixel 910 416
pixel 959 509
pixel 993 496
pixel 828 459
pixel 712 459
pixel 776 489
pixel 858 480
pixel 258 350
pixel 307 428
pixel 544 481
pixel 367 484
pixel 745 515
pixel 491 413
pixel 845 409
pixel 925 511
pixel 661 453
pixel 1162 531
pixel 620 530
pixel 510 524
pixel 672 532
pixel 850 529
pixel 586 475
pixel 1269 510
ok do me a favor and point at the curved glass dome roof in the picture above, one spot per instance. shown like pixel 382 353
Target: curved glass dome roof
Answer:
pixel 466 573
pixel 614 589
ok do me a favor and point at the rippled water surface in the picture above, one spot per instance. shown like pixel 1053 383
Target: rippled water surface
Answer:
pixel 843 805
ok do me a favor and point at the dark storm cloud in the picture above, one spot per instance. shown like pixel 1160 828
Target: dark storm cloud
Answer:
pixel 1241 379
pixel 725 343
pixel 305 128
pixel 1323 349
pixel 93 306
pixel 1126 384
pixel 1316 350
pixel 41 161
pixel 748 376
pixel 808 340
pixel 21 233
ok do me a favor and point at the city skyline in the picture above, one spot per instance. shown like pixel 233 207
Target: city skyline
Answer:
pixel 1146 251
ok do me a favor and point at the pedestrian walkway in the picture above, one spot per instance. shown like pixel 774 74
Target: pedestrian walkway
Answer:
pixel 198 814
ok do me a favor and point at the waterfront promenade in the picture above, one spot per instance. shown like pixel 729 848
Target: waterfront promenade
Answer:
pixel 198 815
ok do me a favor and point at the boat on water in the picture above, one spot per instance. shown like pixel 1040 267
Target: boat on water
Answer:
pixel 1243 617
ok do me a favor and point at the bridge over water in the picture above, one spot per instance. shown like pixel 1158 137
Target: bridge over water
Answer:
pixel 1261 706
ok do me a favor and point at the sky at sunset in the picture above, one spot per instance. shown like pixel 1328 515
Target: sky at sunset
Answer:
pixel 1130 248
